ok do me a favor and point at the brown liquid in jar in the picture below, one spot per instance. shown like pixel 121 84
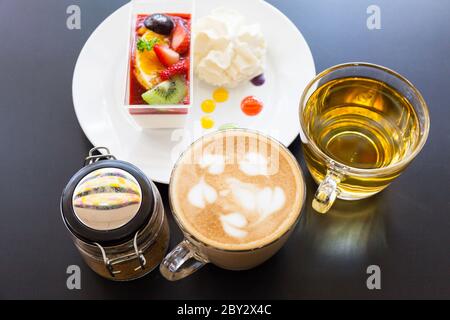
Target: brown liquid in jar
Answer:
pixel 153 255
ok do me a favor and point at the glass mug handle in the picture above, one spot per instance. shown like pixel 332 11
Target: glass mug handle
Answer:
pixel 327 192
pixel 181 262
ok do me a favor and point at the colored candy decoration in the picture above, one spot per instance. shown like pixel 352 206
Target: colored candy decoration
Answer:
pixel 251 106
pixel 258 80
pixel 208 106
pixel 207 122
pixel 220 95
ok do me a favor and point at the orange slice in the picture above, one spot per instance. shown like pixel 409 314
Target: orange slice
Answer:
pixel 147 64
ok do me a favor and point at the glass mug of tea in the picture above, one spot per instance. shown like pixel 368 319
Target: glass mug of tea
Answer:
pixel 236 195
pixel 362 125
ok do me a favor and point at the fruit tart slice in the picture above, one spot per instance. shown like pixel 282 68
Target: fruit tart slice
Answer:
pixel 158 84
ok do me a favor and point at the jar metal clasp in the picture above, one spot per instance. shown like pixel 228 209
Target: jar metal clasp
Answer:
pixel 110 263
pixel 91 158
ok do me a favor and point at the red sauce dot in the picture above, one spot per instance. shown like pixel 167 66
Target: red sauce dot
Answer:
pixel 251 106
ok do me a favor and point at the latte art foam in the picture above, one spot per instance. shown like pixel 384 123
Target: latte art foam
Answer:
pixel 231 197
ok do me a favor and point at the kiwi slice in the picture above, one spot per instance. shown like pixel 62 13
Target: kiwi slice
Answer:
pixel 172 91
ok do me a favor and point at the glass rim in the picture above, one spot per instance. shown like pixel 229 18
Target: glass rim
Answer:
pixel 367 172
pixel 189 236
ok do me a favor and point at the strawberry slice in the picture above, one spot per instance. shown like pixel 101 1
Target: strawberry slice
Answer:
pixel 166 55
pixel 182 67
pixel 181 38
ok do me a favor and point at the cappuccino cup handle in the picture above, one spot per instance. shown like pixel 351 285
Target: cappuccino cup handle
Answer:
pixel 181 262
pixel 326 193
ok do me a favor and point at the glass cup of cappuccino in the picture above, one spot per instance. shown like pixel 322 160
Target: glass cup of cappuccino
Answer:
pixel 237 195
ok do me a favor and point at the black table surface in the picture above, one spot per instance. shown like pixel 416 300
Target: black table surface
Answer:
pixel 404 230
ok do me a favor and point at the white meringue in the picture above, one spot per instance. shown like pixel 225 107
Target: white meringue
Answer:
pixel 228 51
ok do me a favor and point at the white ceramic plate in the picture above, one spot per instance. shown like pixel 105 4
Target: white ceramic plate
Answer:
pixel 99 85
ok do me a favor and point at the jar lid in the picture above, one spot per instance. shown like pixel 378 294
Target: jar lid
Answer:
pixel 107 202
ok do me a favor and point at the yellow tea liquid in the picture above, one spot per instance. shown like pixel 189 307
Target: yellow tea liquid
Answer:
pixel 360 123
